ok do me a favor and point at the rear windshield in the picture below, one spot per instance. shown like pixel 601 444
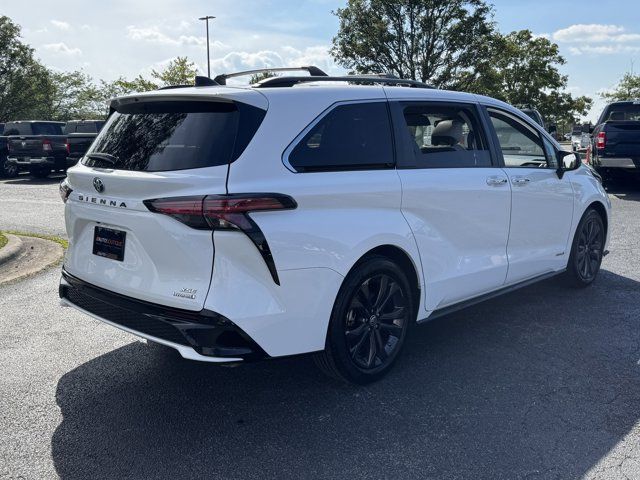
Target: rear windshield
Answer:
pixel 33 128
pixel 623 112
pixel 161 136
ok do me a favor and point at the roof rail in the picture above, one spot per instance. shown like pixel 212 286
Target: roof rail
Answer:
pixel 313 71
pixel 383 79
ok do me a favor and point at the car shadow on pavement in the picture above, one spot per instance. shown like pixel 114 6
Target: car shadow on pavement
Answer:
pixel 540 383
pixel 29 180
pixel 625 188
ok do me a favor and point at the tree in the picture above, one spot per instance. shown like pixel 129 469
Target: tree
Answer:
pixel 258 77
pixel 22 78
pixel 429 40
pixel 72 95
pixel 523 69
pixel 627 89
pixel 179 71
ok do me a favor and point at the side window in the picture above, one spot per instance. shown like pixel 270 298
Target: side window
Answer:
pixel 349 137
pixel 521 144
pixel 442 136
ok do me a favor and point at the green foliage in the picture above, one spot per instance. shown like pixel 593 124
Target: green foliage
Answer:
pixel 523 69
pixel 429 40
pixel 23 79
pixel 258 77
pixel 3 240
pixel 627 89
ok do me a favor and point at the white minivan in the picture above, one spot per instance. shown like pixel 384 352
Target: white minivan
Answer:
pixel 316 214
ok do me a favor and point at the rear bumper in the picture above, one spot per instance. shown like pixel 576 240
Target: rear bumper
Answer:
pixel 32 161
pixel 204 335
pixel 617 162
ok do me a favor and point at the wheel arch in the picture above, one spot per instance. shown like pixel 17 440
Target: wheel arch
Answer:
pixel 602 211
pixel 401 258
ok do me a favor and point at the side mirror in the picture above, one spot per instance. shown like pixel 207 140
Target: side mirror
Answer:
pixel 568 161
pixel 553 128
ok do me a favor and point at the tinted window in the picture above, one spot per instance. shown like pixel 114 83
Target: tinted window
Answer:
pixel 621 112
pixel 158 136
pixel 355 136
pixel 41 128
pixel 86 128
pixel 442 136
pixel 520 143
pixel 1 128
pixel 18 128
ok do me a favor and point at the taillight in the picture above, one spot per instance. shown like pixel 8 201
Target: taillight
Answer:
pixel 223 212
pixel 601 140
pixel 66 145
pixel 65 190
pixel 46 145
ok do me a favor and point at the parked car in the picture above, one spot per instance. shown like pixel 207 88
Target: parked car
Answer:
pixel 37 146
pixel 235 224
pixel 80 135
pixel 616 140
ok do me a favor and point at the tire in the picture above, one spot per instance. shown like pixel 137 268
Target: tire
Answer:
pixel 369 322
pixel 39 172
pixel 7 170
pixel 587 250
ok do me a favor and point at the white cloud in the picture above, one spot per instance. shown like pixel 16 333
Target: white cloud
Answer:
pixel 605 49
pixel 154 35
pixel 595 33
pixel 62 49
pixel 59 24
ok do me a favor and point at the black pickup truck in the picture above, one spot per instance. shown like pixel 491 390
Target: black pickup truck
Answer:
pixel 37 146
pixel 80 135
pixel 616 140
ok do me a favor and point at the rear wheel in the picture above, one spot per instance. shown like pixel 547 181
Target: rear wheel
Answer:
pixel 7 169
pixel 587 250
pixel 369 322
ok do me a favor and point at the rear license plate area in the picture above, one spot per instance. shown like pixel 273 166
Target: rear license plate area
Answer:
pixel 109 243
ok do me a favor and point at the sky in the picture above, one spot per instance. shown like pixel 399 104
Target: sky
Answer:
pixel 599 40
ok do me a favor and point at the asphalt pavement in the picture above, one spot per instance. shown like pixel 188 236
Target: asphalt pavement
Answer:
pixel 543 383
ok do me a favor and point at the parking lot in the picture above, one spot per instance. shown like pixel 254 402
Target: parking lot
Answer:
pixel 540 383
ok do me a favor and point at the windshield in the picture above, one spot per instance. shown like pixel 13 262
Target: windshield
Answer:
pixel 161 136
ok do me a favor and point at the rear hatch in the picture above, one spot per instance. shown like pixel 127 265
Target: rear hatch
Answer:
pixel 31 146
pixel 622 139
pixel 622 130
pixel 78 143
pixel 155 147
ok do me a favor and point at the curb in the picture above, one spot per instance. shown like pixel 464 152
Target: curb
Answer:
pixel 31 257
pixel 11 249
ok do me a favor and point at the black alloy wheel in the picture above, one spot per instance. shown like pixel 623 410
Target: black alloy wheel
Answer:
pixel 369 322
pixel 375 322
pixel 8 170
pixel 587 250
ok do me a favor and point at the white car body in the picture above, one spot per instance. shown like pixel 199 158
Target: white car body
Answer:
pixel 466 232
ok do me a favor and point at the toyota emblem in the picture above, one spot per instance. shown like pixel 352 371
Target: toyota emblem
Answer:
pixel 98 185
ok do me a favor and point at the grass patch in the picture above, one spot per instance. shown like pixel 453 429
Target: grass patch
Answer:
pixel 53 238
pixel 3 240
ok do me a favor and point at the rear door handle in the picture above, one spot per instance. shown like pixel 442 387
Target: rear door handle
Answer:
pixel 520 180
pixel 496 181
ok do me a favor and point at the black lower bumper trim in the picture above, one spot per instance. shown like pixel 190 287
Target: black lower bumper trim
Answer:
pixel 207 332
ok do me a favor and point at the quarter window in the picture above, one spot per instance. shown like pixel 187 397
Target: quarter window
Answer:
pixel 350 137
pixel 442 136
pixel 521 144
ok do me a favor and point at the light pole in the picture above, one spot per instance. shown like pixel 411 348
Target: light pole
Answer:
pixel 206 19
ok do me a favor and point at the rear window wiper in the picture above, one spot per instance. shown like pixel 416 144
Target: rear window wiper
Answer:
pixel 107 157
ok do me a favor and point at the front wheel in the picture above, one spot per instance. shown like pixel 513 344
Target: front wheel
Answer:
pixel 587 250
pixel 369 322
